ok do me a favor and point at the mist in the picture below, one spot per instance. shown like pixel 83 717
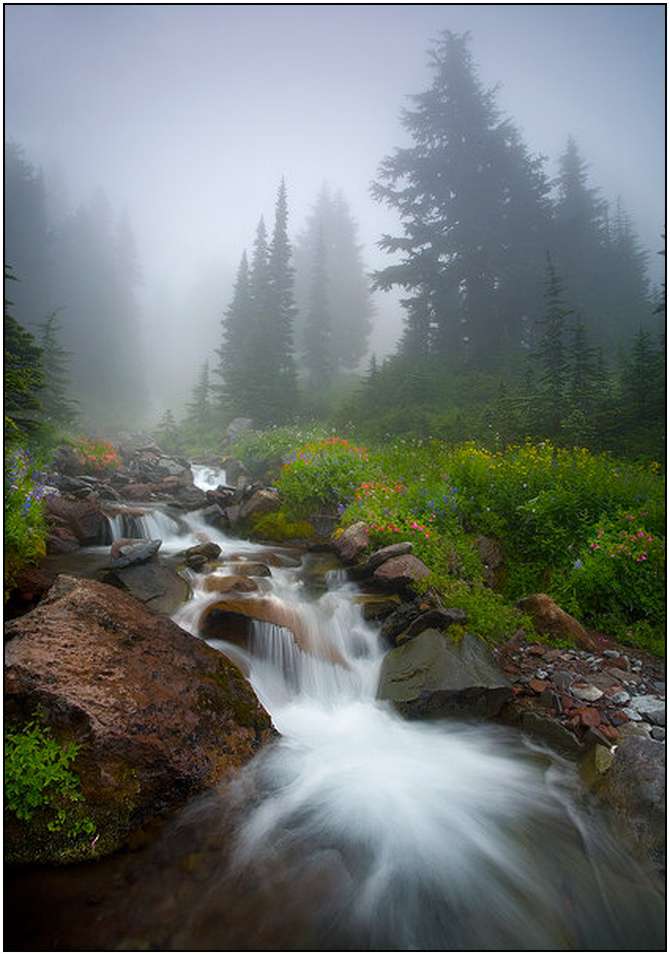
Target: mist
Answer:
pixel 187 118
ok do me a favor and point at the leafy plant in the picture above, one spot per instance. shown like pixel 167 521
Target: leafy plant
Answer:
pixel 38 777
pixel 322 475
pixel 25 520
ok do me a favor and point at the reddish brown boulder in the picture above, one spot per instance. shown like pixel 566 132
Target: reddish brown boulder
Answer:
pixel 548 618
pixel 84 519
pixel 139 492
pixel 352 542
pixel 158 715
pixel 401 572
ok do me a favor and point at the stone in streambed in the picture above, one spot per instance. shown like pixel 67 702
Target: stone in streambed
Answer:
pixel 434 676
pixel 158 716
pixel 126 552
pixel 249 568
pixel 650 708
pixel 232 584
pixel 207 549
pixel 155 585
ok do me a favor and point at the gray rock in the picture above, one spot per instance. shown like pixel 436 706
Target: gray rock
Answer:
pixel 563 679
pixel 635 729
pixel 352 542
pixel 189 497
pixel 433 676
pixel 208 549
pixel 588 693
pixel 158 587
pixel 263 501
pixel 385 553
pixel 651 708
pixel 659 686
pixel 634 787
pixel 658 733
pixel 632 714
pixel 134 552
pixel 612 654
pixel 436 618
pixel 620 698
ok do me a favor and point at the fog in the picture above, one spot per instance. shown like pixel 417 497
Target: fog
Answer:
pixel 188 116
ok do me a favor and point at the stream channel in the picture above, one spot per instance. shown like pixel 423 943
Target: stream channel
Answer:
pixel 356 829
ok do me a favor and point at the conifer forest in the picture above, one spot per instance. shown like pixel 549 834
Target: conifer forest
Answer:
pixel 334 477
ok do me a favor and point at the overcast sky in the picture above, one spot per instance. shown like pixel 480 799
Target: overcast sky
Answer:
pixel 189 115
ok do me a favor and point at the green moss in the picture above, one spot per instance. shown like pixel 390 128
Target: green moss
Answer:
pixel 278 526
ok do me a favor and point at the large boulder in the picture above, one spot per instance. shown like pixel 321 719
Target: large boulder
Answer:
pixel 84 519
pixel 634 787
pixel 352 542
pixel 189 497
pixel 434 676
pixel 400 572
pixel 549 619
pixel 158 716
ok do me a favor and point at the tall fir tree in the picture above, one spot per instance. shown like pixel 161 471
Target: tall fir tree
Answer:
pixel 234 353
pixel 551 360
pixel 348 286
pixel 463 191
pixel 317 357
pixel 23 375
pixel 199 412
pixel 59 407
pixel 281 315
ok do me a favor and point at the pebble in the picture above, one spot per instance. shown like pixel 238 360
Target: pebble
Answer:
pixel 620 698
pixel 632 714
pixel 658 732
pixel 587 693
pixel 612 654
pixel 658 686
pixel 541 674
pixel 650 707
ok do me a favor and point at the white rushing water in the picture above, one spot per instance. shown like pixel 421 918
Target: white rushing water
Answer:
pixel 207 478
pixel 405 834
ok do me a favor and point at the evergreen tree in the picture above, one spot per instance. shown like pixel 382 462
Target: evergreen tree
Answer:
pixel 199 415
pixel 59 408
pixel 643 385
pixel 317 357
pixel 234 354
pixel 258 361
pixel 581 241
pixel 348 287
pixel 23 375
pixel 168 434
pixel 551 358
pixel 467 192
pixel 281 315
pixel 626 287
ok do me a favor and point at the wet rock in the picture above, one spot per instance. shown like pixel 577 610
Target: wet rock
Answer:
pixel 262 501
pixel 352 542
pixel 196 561
pixel 234 470
pixel 61 541
pixel 634 787
pixel 249 568
pixel 155 585
pixel 586 692
pixel 398 621
pixel 375 609
pixel 433 676
pixel 595 764
pixel 189 498
pixel 232 514
pixel 232 584
pixel 386 553
pixel 158 716
pixel 436 618
pixel 124 553
pixel 214 622
pixel 401 572
pixel 207 549
pixel 30 586
pixel 548 618
pixel 140 492
pixel 546 728
pixel 84 519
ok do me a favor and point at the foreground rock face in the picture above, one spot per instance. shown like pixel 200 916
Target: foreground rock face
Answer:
pixel 634 787
pixel 433 676
pixel 158 714
pixel 157 586
pixel 400 572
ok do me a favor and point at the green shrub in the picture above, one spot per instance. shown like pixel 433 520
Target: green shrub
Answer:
pixel 322 475
pixel 279 527
pixel 24 513
pixel 261 450
pixel 38 777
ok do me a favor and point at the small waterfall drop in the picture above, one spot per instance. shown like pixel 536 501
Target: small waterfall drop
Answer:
pixel 208 478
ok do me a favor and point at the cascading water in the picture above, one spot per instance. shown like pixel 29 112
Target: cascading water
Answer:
pixel 207 478
pixel 404 834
